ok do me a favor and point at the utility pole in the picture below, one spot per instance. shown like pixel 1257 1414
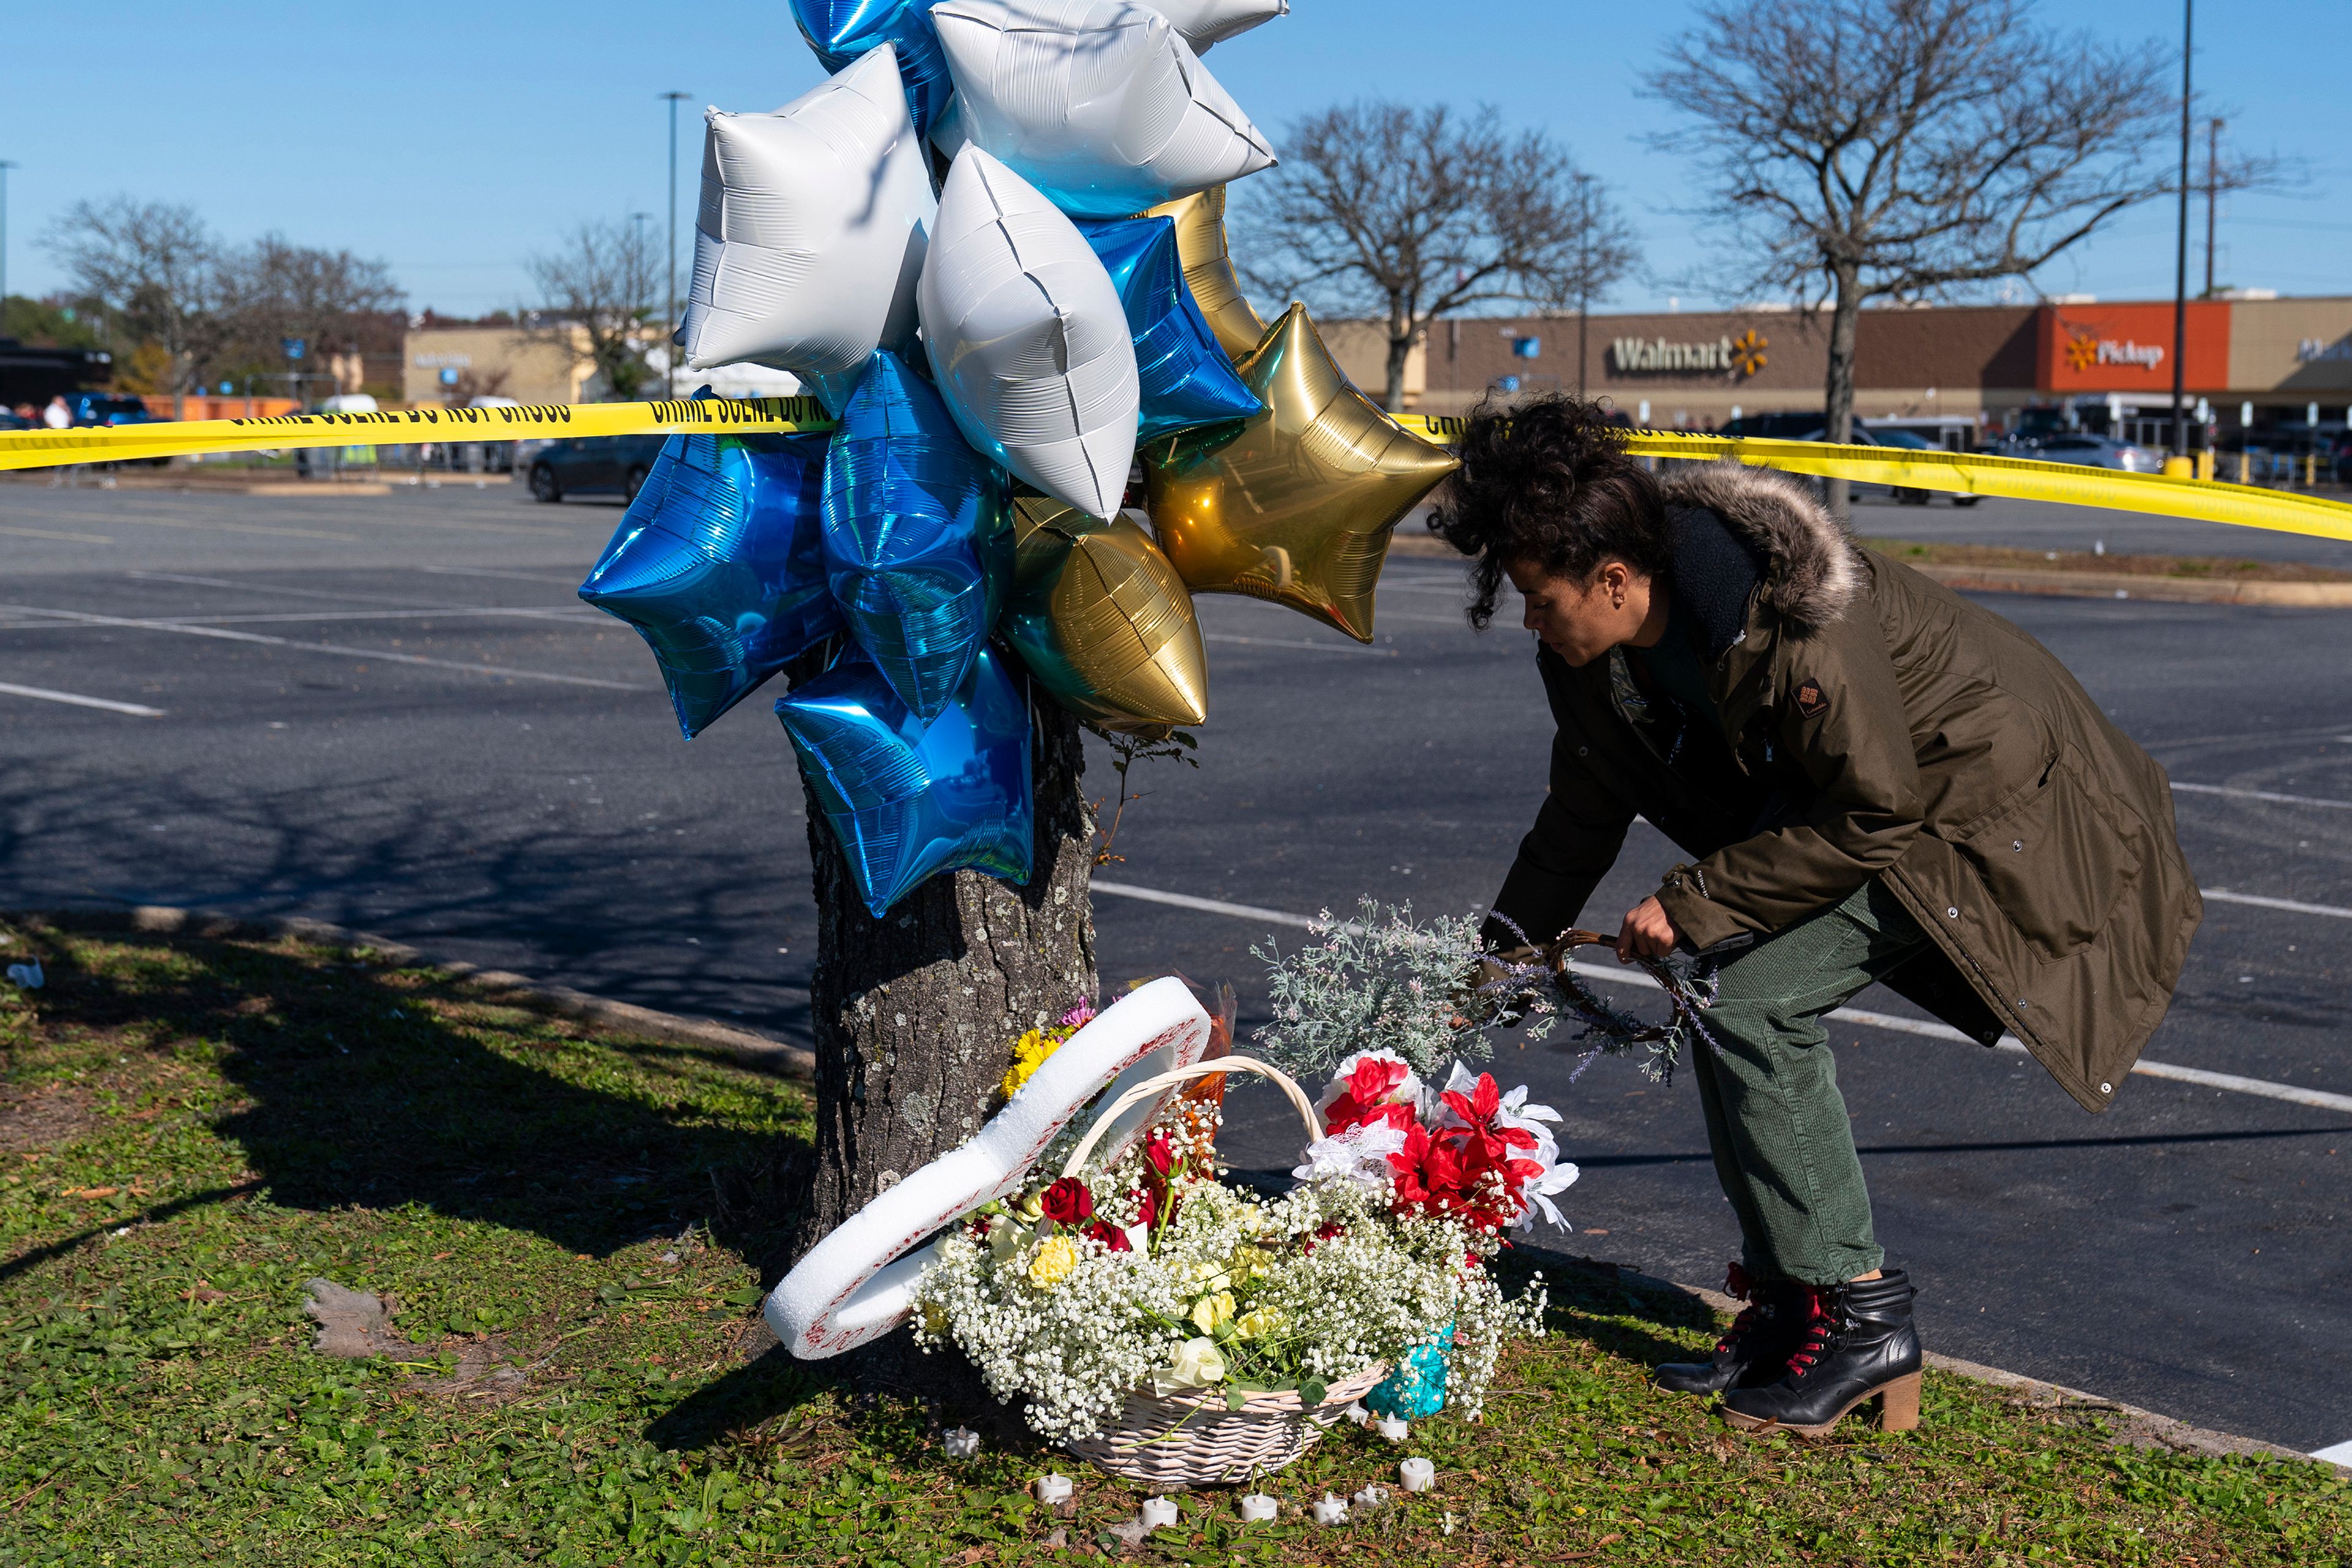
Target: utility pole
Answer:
pixel 2180 457
pixel 4 167
pixel 2212 193
pixel 669 322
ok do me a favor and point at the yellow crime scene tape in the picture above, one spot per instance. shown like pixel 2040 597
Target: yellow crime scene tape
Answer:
pixel 529 421
pixel 1983 474
pixel 1967 473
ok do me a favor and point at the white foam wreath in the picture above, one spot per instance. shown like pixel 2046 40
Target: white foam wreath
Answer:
pixel 857 1283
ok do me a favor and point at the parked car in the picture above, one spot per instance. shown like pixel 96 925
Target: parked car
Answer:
pixel 2081 447
pixel 1802 426
pixel 594 464
pixel 106 408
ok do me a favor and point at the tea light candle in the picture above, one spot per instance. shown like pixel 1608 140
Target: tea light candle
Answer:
pixel 962 1442
pixel 1393 1429
pixel 1054 1489
pixel 1418 1475
pixel 1357 1412
pixel 1258 1509
pixel 1158 1514
pixel 1331 1510
pixel 1371 1497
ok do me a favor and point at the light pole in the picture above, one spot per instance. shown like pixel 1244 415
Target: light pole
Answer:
pixel 2212 191
pixel 4 167
pixel 669 322
pixel 2180 257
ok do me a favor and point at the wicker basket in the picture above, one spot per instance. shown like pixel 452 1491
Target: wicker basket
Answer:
pixel 1192 1438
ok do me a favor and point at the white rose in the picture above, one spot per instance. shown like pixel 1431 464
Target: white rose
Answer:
pixel 1196 1364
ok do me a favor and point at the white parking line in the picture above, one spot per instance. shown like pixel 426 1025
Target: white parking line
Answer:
pixel 49 533
pixel 2341 1454
pixel 2177 787
pixel 511 576
pixel 2263 1088
pixel 337 649
pixel 43 694
pixel 2223 895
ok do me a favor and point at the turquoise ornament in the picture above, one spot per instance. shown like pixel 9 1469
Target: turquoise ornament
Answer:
pixel 1417 1387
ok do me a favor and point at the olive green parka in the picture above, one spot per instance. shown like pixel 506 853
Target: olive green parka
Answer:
pixel 1878 725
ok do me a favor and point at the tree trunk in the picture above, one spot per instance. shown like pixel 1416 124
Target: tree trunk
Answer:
pixel 1400 335
pixel 1838 394
pixel 913 1013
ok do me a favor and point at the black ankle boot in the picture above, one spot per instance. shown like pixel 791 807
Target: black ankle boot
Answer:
pixel 1859 1345
pixel 1757 1346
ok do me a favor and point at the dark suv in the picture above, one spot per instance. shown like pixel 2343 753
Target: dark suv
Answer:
pixel 594 464
pixel 106 408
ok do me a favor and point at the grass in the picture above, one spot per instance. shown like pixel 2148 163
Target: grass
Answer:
pixel 570 1227
pixel 2213 567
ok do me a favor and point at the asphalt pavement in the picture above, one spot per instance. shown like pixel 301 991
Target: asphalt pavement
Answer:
pixel 392 713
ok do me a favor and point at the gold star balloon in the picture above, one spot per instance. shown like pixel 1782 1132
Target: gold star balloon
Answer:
pixel 1102 620
pixel 1209 269
pixel 1297 505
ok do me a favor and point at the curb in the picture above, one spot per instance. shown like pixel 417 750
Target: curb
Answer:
pixel 2133 585
pixel 2143 1429
pixel 2059 585
pixel 751 1050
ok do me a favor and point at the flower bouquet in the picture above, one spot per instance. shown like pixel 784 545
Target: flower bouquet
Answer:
pixel 1178 1329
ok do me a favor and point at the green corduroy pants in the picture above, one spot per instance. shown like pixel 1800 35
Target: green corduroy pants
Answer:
pixel 1783 1142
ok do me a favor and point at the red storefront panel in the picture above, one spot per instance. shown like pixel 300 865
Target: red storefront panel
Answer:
pixel 2128 348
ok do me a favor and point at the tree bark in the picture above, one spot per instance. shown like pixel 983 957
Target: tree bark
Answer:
pixel 913 1013
pixel 1400 334
pixel 1837 401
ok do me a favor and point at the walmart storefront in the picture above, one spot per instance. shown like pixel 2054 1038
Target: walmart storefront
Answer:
pixel 2259 362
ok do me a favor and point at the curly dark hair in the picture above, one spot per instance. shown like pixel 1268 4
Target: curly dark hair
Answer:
pixel 1548 480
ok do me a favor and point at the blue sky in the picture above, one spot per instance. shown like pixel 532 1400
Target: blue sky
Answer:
pixel 452 139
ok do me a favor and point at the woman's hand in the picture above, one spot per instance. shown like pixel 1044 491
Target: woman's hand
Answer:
pixel 1647 933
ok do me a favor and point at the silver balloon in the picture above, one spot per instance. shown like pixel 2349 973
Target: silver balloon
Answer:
pixel 1104 107
pixel 812 232
pixel 1206 22
pixel 1027 338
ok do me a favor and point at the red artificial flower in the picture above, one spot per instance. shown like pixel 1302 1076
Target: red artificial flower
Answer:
pixel 1151 1210
pixel 1361 1101
pixel 1160 1152
pixel 1110 1236
pixel 1067 1201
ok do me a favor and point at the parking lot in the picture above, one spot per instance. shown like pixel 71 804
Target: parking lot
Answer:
pixel 391 712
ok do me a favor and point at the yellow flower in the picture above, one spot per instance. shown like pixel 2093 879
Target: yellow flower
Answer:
pixel 1031 1052
pixel 935 1318
pixel 1259 1320
pixel 1212 1312
pixel 1057 1257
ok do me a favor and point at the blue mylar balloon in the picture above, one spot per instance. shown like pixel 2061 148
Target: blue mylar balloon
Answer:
pixel 907 799
pixel 719 566
pixel 841 30
pixel 918 534
pixel 1187 378
pixel 1417 1387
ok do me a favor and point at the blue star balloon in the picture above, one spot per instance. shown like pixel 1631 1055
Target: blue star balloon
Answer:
pixel 841 30
pixel 1187 378
pixel 907 800
pixel 719 566
pixel 918 534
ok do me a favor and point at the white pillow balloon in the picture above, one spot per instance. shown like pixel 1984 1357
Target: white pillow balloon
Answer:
pixel 1206 22
pixel 1101 104
pixel 812 232
pixel 1028 340
pixel 858 1283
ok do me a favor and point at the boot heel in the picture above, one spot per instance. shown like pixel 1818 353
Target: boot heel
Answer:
pixel 1898 1405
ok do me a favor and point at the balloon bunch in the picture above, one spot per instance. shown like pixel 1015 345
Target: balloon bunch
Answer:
pixel 993 245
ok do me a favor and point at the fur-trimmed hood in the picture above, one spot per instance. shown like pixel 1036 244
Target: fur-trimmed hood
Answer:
pixel 1811 569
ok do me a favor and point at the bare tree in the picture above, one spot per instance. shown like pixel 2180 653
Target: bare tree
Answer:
pixel 154 264
pixel 601 280
pixel 1870 148
pixel 274 290
pixel 1405 215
